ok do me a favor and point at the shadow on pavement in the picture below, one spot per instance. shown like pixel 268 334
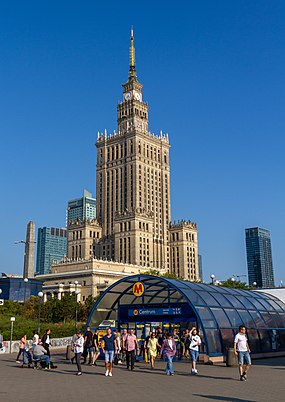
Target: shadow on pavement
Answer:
pixel 224 398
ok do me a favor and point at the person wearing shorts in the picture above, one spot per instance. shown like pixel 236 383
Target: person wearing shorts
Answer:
pixel 242 350
pixel 108 347
pixel 195 342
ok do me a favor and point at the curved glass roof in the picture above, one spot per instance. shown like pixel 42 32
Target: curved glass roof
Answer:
pixel 219 310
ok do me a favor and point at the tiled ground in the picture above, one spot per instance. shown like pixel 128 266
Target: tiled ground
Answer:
pixel 214 383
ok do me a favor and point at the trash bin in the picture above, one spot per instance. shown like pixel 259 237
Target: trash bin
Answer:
pixel 68 352
pixel 231 360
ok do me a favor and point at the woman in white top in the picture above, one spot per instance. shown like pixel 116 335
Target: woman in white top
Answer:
pixel 195 342
pixel 78 349
pixel 118 350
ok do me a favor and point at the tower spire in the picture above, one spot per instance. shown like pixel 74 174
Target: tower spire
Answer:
pixel 132 71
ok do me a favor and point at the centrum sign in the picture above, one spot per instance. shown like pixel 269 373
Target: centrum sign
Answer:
pixel 154 311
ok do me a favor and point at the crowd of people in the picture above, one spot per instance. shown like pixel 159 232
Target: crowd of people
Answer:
pixel 37 352
pixel 122 348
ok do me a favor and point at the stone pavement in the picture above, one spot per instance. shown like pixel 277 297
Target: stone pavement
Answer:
pixel 214 383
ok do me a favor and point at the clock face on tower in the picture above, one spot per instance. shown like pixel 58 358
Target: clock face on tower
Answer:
pixel 137 96
pixel 128 96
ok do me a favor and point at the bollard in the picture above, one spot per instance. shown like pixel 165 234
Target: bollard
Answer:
pixel 68 352
pixel 231 360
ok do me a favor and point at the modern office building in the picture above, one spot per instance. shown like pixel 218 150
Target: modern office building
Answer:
pixel 17 289
pixel 81 208
pixel 259 257
pixel 51 246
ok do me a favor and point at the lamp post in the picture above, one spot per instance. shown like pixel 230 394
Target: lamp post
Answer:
pixel 212 278
pixel 254 284
pixel 12 319
pixel 40 295
pixel 76 293
pixel 26 280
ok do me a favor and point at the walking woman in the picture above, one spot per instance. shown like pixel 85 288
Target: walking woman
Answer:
pixel 195 342
pixel 152 347
pixel 22 345
pixel 169 349
pixel 78 349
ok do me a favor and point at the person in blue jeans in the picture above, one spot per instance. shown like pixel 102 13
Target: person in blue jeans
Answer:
pixel 169 349
pixel 242 350
pixel 195 342
pixel 108 347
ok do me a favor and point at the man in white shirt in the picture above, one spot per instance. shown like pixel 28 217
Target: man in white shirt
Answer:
pixel 78 349
pixel 242 350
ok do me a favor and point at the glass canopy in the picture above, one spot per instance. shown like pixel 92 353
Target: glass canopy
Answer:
pixel 219 311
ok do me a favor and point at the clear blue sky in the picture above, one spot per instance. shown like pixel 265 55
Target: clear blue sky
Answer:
pixel 214 77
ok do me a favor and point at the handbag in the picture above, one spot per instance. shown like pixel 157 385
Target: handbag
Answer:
pixel 116 359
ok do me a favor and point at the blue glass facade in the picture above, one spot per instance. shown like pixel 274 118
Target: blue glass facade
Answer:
pixel 17 289
pixel 259 257
pixel 217 311
pixel 82 208
pixel 51 245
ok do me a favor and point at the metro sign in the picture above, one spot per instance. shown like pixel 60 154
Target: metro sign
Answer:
pixel 138 289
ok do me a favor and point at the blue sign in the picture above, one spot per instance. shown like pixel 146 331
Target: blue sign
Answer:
pixel 154 311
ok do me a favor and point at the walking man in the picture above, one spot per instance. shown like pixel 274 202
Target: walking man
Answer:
pixel 131 345
pixel 108 347
pixel 78 349
pixel 88 346
pixel 242 350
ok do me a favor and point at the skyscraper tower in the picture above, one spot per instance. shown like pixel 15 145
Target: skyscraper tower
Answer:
pixel 29 256
pixel 133 183
pixel 259 257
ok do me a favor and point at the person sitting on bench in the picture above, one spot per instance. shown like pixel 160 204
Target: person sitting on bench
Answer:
pixel 40 353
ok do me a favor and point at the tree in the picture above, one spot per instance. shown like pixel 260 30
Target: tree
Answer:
pixel 229 283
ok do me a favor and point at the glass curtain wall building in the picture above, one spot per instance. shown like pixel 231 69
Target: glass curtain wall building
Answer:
pixel 178 305
pixel 259 257
pixel 51 246
pixel 82 209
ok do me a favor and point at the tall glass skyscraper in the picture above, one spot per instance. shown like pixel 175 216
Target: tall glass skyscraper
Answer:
pixel 51 245
pixel 259 257
pixel 82 208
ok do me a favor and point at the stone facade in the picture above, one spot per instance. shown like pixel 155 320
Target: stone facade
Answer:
pixel 133 231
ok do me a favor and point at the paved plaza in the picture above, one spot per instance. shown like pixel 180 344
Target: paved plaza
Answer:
pixel 214 383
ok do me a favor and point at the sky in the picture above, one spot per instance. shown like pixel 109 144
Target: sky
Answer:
pixel 214 78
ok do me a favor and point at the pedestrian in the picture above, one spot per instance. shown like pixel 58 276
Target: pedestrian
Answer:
pixel 22 345
pixel 35 338
pixel 169 349
pixel 108 347
pixel 152 347
pixel 46 340
pixel 146 348
pixel 88 346
pixel 95 344
pixel 78 349
pixel 1 342
pixel 195 342
pixel 118 350
pixel 131 345
pixel 187 344
pixel 124 337
pixel 242 350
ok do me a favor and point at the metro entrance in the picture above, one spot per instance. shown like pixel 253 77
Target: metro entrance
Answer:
pixel 145 320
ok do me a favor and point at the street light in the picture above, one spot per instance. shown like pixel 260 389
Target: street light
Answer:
pixel 12 319
pixel 40 295
pixel 254 284
pixel 76 293
pixel 26 280
pixel 212 278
